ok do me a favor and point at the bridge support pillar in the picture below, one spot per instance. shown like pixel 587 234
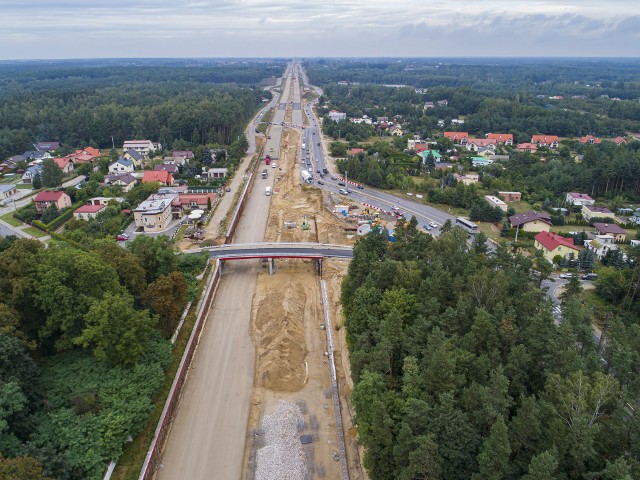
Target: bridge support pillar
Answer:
pixel 320 267
pixel 272 266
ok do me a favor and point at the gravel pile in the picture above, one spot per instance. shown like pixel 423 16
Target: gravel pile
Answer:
pixel 282 457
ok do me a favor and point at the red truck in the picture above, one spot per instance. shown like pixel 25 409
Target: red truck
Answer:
pixel 267 159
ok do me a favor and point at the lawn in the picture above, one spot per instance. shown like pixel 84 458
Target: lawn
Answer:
pixel 9 179
pixel 24 186
pixel 9 218
pixel 34 232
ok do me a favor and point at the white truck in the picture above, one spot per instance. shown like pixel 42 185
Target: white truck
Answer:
pixel 267 191
pixel 305 176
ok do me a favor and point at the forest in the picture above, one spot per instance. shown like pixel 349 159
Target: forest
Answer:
pixel 461 373
pixel 103 105
pixel 83 349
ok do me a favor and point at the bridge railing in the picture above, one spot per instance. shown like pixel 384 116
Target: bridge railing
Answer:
pixel 269 245
pixel 154 455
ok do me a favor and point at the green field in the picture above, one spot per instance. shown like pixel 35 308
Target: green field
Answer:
pixel 34 232
pixel 9 218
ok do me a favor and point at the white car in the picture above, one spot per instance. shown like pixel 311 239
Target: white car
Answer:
pixel 433 224
pixel 566 275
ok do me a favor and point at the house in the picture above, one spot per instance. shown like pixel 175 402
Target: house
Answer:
pixel 443 103
pixel 36 155
pixel 575 198
pixel 550 141
pixel 619 141
pixel 456 121
pixel 104 200
pixel 382 119
pixel 87 212
pixel 12 162
pixel 531 221
pixel 182 156
pixel 618 233
pixel 122 165
pixel 496 202
pixel 635 243
pixel 443 166
pixel 593 211
pixel 166 167
pixel 501 138
pixel 467 178
pixel 510 196
pixel 46 146
pixel 337 116
pixel 143 147
pixel 474 144
pixel 355 151
pixel 527 147
pixel 162 177
pixel 44 200
pixel 7 191
pixel 590 140
pixel 428 105
pixel 155 213
pixel 124 180
pixel 459 138
pixel 437 157
pixel 187 201
pixel 420 147
pixel 635 218
pixel 600 245
pixel 396 131
pixel 552 244
pixel 135 156
pixel 29 173
pixel 217 172
pixel 65 164
pixel 481 161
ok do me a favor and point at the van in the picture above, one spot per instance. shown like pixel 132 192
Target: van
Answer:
pixel 267 191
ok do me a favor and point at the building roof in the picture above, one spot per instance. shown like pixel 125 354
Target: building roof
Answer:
pixel 481 142
pixel 123 161
pixel 598 209
pixel 49 196
pixel 166 167
pixel 611 228
pixel 46 146
pixel 589 139
pixel 579 196
pixel 500 137
pixel 156 203
pixel 199 198
pixel 134 154
pixel 551 241
pixel 527 146
pixel 137 143
pixel 619 140
pixel 456 135
pixel 355 151
pixel 544 139
pixel 62 162
pixel 89 209
pixel 6 188
pixel 125 178
pixel 161 176
pixel 530 216
pixel 182 153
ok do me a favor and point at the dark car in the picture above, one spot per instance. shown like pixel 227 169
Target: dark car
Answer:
pixel 342 184
pixel 318 143
pixel 333 177
pixel 320 182
pixel 590 276
pixel 360 187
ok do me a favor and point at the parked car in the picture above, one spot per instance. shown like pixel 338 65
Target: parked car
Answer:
pixel 590 276
pixel 566 275
pixel 228 189
pixel 427 226
pixel 122 237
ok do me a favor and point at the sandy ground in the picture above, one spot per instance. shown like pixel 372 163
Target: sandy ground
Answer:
pixel 285 326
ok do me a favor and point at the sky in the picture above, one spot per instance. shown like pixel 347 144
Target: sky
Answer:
pixel 56 29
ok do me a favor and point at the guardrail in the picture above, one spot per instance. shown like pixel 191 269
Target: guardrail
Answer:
pixel 154 455
pixel 264 245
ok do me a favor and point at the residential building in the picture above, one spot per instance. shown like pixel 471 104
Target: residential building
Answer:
pixel 124 180
pixel 552 244
pixel 87 212
pixel 355 151
pixel 121 165
pixel 217 172
pixel 36 155
pixel 166 167
pixel 420 147
pixel 575 198
pixel 510 196
pixel 188 201
pixel 531 221
pixel 155 213
pixel 590 140
pixel 550 141
pixel 396 131
pixel 442 103
pixel 617 232
pixel 501 138
pixel 135 156
pixel 29 173
pixel 527 147
pixel 104 200
pixel 635 218
pixel 12 162
pixel 182 156
pixel 7 191
pixel 337 116
pixel 619 140
pixel 457 121
pixel 594 211
pixel 459 138
pixel 496 202
pixel 481 161
pixel 162 177
pixel 65 164
pixel 467 178
pixel 443 166
pixel 144 147
pixel 437 157
pixel 600 245
pixel 44 200
pixel 474 144
pixel 428 105
pixel 46 146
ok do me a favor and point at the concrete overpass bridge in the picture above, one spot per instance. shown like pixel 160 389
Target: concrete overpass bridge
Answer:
pixel 273 250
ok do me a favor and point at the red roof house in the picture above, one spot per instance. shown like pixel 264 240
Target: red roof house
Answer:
pixel 619 140
pixel 590 139
pixel 553 244
pixel 355 151
pixel 458 137
pixel 45 199
pixel 550 141
pixel 505 138
pixel 162 177
pixel 86 212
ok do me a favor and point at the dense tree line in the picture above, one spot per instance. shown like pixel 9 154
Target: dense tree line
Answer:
pixel 83 348
pixel 102 106
pixel 460 371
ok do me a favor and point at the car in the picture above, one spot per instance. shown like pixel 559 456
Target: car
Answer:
pixel 426 226
pixel 566 275
pixel 269 137
pixel 313 133
pixel 342 184
pixel 360 187
pixel 344 191
pixel 257 131
pixel 228 189
pixel 320 182
pixel 122 237
pixel 318 143
pixel 433 224
pixel 395 208
pixel 590 276
pixel 318 171
pixel 333 177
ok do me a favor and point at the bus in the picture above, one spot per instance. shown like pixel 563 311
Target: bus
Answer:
pixel 467 225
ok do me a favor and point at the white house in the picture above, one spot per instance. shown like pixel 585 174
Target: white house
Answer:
pixel 27 176
pixel 601 245
pixel 144 147
pixel 154 214
pixel 337 116
pixel 496 202
pixel 121 165
pixel 575 198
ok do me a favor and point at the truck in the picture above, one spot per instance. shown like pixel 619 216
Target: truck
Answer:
pixel 305 176
pixel 267 159
pixel 267 191
pixel 264 173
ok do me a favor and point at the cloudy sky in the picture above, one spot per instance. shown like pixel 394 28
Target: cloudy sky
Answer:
pixel 266 28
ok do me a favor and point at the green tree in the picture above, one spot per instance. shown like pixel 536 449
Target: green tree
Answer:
pixel 51 174
pixel 36 181
pixel 21 468
pixel 154 254
pixel 493 460
pixel 543 466
pixel 167 297
pixel 125 263
pixel 49 214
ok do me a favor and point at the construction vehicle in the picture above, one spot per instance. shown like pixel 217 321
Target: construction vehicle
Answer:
pixel 267 159
pixel 305 223
pixel 305 176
